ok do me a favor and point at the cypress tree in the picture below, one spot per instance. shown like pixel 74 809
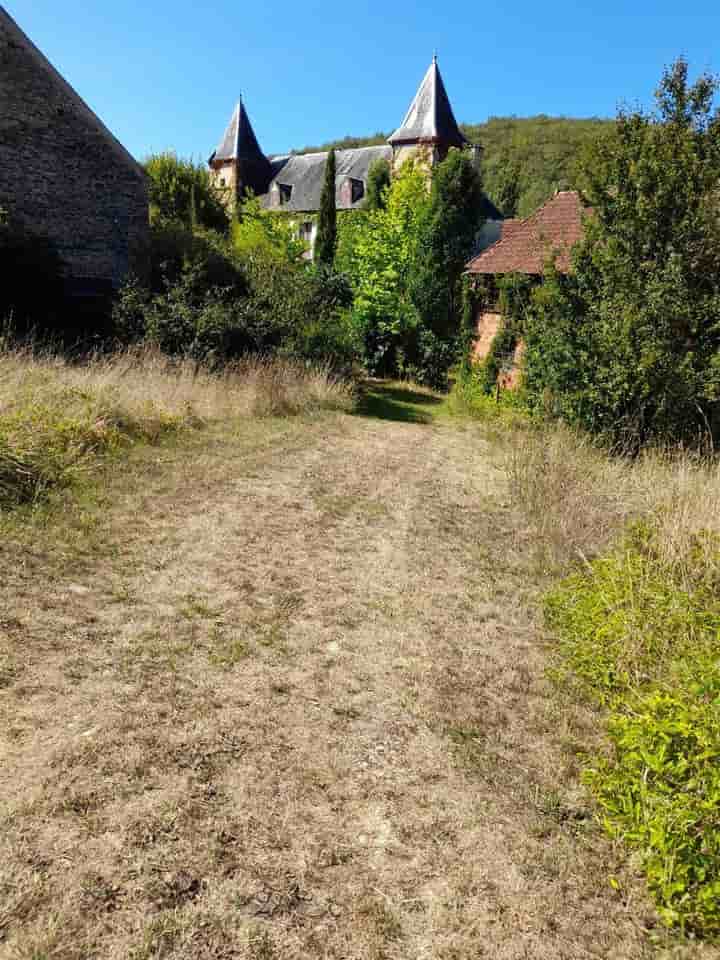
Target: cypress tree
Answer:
pixel 327 220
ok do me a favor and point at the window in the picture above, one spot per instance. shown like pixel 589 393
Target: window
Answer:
pixel 357 188
pixel 305 231
pixel 285 193
pixel 222 182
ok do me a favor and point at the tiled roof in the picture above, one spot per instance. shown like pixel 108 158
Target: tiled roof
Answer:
pixel 525 245
pixel 430 118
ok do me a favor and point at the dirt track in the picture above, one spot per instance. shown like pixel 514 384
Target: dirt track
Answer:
pixel 291 704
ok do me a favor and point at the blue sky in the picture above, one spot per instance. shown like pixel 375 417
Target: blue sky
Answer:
pixel 165 75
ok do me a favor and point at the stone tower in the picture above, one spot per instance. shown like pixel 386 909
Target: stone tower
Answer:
pixel 429 129
pixel 238 164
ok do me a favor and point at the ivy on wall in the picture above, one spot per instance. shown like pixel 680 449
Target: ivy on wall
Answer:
pixel 513 297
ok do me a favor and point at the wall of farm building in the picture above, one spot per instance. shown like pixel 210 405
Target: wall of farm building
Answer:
pixel 487 324
pixel 62 175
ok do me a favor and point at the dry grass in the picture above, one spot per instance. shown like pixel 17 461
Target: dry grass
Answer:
pixel 289 702
pixel 56 417
pixel 576 499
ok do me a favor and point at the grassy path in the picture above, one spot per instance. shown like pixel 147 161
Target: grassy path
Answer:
pixel 282 696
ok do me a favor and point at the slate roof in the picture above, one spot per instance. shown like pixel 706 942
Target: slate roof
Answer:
pixel 430 118
pixel 305 173
pixel 525 245
pixel 239 141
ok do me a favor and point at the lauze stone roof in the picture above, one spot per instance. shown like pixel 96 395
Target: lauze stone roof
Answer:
pixel 525 245
pixel 430 117
pixel 305 174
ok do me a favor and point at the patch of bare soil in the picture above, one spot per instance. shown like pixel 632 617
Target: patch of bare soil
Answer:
pixel 291 703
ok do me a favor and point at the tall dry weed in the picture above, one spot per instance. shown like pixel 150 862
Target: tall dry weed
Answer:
pixel 577 498
pixel 55 416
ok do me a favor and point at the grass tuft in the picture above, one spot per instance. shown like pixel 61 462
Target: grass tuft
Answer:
pixel 58 419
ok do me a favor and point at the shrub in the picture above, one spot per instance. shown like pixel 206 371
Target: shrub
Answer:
pixel 628 345
pixel 181 192
pixel 647 646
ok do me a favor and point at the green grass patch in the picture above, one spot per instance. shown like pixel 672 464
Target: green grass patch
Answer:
pixel 646 645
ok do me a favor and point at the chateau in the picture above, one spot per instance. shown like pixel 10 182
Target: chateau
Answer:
pixel 63 176
pixel 293 183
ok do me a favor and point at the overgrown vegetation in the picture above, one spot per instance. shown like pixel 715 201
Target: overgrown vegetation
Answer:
pixel 637 629
pixel 627 346
pixel 60 421
pixel 405 262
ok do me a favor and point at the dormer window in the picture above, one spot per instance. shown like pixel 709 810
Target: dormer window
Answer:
pixel 357 188
pixel 284 193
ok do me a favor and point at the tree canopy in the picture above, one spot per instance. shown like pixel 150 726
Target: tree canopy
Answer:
pixel 629 344
pixel 181 191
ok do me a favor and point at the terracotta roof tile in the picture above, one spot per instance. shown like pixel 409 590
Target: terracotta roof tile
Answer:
pixel 525 245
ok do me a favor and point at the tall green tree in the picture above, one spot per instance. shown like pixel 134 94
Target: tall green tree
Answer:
pixel 378 183
pixel 454 218
pixel 629 345
pixel 380 264
pixel 327 219
pixel 181 192
pixel 509 186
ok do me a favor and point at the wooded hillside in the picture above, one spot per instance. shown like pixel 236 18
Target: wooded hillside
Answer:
pixel 525 158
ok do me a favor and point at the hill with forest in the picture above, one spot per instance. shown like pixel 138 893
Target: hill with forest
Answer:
pixel 525 159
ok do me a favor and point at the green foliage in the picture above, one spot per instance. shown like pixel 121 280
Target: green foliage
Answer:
pixel 381 260
pixel 405 260
pixel 447 241
pixel 256 233
pixel 181 191
pixel 514 293
pixel 526 159
pixel 628 345
pixel 326 240
pixel 214 300
pixel 508 186
pixel 647 645
pixel 378 183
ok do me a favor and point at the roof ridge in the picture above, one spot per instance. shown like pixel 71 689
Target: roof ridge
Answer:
pixel 78 102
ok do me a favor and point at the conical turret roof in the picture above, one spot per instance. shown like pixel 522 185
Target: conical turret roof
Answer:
pixel 430 118
pixel 239 141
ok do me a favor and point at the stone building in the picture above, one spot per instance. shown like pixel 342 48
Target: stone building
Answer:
pixel 63 176
pixel 524 247
pixel 293 183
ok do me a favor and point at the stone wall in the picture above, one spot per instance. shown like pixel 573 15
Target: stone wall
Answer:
pixel 487 324
pixel 62 174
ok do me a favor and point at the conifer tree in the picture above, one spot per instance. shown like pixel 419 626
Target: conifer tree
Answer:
pixel 327 220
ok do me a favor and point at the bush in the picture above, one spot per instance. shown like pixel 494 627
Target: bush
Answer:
pixel 181 192
pixel 646 644
pixel 210 303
